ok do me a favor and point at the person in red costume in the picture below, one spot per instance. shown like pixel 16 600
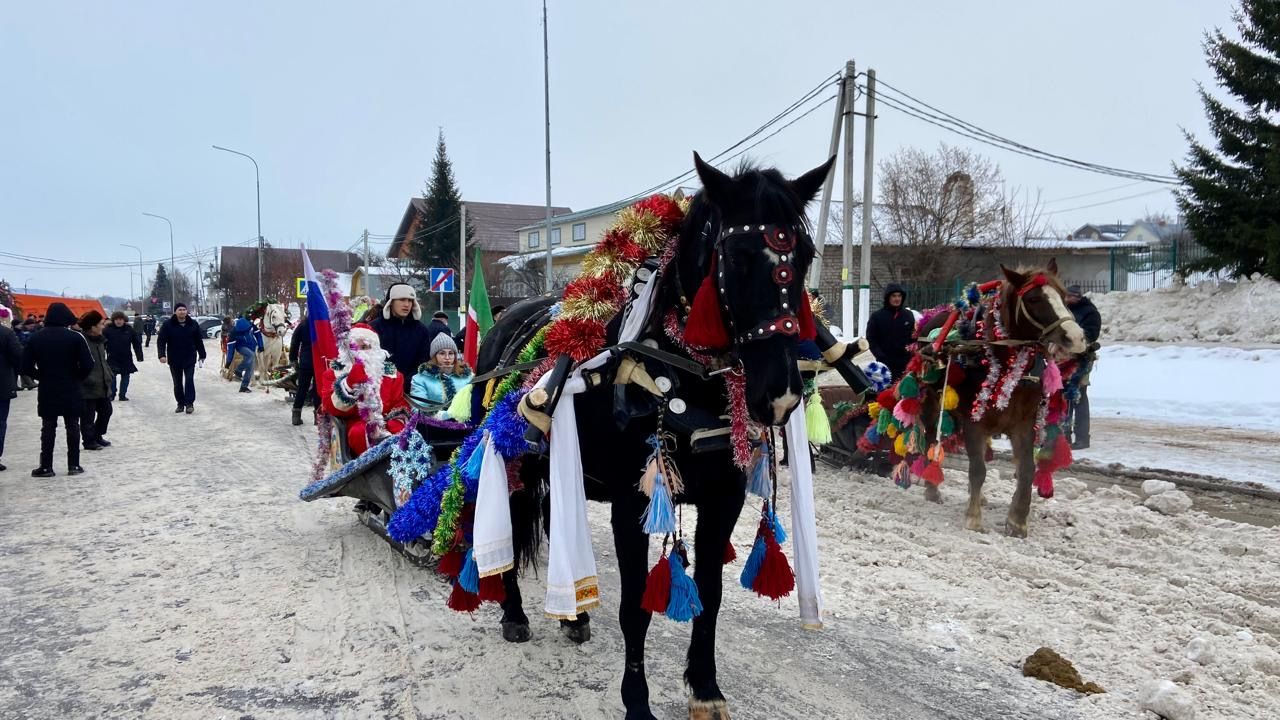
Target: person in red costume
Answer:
pixel 364 379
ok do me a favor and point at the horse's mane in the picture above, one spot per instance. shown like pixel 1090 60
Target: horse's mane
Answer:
pixel 1052 279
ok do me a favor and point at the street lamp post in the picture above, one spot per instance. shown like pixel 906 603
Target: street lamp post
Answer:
pixel 142 277
pixel 173 292
pixel 257 182
pixel 25 285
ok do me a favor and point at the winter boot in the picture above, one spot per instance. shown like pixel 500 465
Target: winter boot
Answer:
pixel 297 416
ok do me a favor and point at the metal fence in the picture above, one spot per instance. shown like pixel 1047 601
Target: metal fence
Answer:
pixel 1147 268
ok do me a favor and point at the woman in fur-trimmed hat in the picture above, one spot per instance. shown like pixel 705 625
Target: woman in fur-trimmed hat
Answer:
pixel 400 329
pixel 365 389
pixel 444 381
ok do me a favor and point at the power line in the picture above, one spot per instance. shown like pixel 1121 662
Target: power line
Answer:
pixel 1095 192
pixel 920 110
pixel 1109 202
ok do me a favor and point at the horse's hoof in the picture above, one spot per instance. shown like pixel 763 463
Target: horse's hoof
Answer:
pixel 578 632
pixel 515 632
pixel 973 522
pixel 708 710
pixel 933 494
pixel 1015 529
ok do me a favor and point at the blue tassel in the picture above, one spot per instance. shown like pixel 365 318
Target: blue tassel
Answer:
pixel 760 475
pixel 779 533
pixel 472 469
pixel 684 604
pixel 873 435
pixel 470 577
pixel 660 516
pixel 754 561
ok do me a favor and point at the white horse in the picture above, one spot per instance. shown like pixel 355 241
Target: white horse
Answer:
pixel 273 324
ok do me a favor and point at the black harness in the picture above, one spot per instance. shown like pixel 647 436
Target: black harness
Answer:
pixel 780 245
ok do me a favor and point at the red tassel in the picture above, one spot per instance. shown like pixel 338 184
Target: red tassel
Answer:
pixel 451 564
pixel 775 579
pixel 887 399
pixel 932 474
pixel 730 553
pixel 808 330
pixel 492 589
pixel 955 375
pixel 657 587
pixel 705 328
pixel 1043 481
pixel 463 601
pixel 915 365
pixel 1061 453
pixel 910 406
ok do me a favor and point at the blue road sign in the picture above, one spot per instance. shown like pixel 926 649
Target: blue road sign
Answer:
pixel 442 280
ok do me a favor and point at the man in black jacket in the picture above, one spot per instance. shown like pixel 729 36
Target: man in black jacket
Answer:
pixel 59 358
pixel 400 330
pixel 300 356
pixel 149 328
pixel 10 364
pixel 890 329
pixel 1089 320
pixel 121 339
pixel 179 344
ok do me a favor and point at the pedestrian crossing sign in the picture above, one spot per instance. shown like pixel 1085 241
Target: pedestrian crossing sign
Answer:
pixel 300 287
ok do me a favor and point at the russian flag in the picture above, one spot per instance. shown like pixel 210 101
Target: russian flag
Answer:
pixel 324 346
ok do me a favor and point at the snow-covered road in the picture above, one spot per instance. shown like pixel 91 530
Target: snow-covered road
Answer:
pixel 181 578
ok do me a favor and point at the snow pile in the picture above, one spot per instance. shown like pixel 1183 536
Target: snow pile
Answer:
pixel 1176 614
pixel 1234 312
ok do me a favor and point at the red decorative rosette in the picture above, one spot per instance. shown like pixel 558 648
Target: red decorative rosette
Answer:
pixel 664 208
pixel 595 290
pixel 579 338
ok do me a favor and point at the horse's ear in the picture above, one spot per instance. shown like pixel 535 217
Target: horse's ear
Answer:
pixel 806 186
pixel 715 183
pixel 1013 276
pixel 1052 267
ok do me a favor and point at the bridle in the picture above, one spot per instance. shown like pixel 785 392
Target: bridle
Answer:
pixel 780 243
pixel 1020 307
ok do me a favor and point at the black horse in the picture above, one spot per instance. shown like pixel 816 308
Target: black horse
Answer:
pixel 733 225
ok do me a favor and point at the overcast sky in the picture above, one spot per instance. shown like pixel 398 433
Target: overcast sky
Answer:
pixel 111 108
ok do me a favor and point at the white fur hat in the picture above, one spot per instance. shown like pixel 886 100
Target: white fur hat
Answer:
pixel 401 291
pixel 442 341
pixel 364 335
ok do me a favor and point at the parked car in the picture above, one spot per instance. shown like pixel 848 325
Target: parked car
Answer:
pixel 211 327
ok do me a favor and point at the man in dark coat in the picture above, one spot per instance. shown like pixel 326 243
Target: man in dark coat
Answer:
pixel 121 338
pixel 10 364
pixel 95 414
pixel 400 329
pixel 300 356
pixel 149 328
pixel 1089 320
pixel 179 344
pixel 890 329
pixel 59 358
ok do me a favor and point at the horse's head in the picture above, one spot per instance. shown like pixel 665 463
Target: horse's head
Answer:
pixel 1034 309
pixel 275 318
pixel 746 240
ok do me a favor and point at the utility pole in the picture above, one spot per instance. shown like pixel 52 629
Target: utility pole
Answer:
pixel 868 176
pixel 368 287
pixel 546 109
pixel 173 293
pixel 462 268
pixel 824 210
pixel 846 221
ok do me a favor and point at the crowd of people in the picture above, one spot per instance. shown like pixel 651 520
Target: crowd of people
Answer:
pixel 80 366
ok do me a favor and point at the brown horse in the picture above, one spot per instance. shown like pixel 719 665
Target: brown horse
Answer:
pixel 1031 310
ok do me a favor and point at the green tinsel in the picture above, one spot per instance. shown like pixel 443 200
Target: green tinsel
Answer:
pixel 450 510
pixel 530 353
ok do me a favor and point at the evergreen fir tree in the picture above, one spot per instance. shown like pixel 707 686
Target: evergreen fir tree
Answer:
pixel 159 290
pixel 1231 196
pixel 6 297
pixel 435 244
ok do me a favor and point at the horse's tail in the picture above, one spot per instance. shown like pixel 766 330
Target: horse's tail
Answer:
pixel 526 516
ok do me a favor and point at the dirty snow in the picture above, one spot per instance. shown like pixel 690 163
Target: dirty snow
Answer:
pixel 180 578
pixel 1245 312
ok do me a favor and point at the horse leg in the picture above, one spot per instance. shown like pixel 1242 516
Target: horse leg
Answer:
pixel 975 445
pixel 1023 441
pixel 632 547
pixel 515 624
pixel 715 524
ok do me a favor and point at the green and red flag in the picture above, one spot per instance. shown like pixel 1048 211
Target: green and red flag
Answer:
pixel 479 316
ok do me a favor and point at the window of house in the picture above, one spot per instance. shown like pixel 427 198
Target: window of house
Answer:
pixel 534 239
pixel 579 232
pixel 555 236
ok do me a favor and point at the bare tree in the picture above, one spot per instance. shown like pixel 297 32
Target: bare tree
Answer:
pixel 935 204
pixel 525 276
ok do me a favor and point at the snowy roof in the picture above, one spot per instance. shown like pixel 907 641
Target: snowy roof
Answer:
pixel 523 258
